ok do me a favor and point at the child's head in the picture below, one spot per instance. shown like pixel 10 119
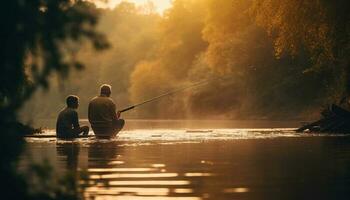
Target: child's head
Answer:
pixel 72 101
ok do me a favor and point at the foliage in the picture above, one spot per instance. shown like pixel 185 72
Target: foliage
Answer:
pixel 178 46
pixel 132 33
pixel 38 37
pixel 279 59
pixel 44 184
pixel 320 27
pixel 224 41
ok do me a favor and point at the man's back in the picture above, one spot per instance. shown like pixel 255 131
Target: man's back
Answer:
pixel 102 111
pixel 102 114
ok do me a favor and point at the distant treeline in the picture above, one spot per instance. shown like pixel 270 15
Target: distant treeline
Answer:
pixel 285 59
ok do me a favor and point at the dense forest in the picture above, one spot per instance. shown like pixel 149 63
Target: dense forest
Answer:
pixel 283 59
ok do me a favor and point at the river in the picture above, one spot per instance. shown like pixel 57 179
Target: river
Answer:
pixel 166 160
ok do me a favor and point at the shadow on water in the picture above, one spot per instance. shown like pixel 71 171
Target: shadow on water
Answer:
pixel 278 168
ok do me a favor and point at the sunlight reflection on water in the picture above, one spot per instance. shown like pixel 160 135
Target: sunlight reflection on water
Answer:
pixel 168 135
pixel 120 169
pixel 149 175
pixel 236 190
pixel 201 164
pixel 146 198
pixel 149 182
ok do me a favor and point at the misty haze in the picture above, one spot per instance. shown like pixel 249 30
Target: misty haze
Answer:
pixel 175 99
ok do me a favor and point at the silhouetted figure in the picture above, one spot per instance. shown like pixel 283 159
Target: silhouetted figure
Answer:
pixel 104 120
pixel 67 125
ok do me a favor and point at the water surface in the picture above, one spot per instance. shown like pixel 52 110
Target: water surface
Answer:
pixel 208 163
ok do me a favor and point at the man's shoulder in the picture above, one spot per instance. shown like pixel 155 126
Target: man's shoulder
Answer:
pixel 99 99
pixel 94 98
pixel 110 99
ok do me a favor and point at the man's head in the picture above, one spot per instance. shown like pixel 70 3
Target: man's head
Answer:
pixel 72 101
pixel 106 90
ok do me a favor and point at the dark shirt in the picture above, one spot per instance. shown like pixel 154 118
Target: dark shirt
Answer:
pixel 102 111
pixel 67 122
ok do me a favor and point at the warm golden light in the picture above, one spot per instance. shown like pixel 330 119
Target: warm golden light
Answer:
pixel 160 5
pixel 152 182
pixel 236 190
pixel 106 197
pixel 120 169
pixel 183 190
pixel 158 165
pixel 196 174
pixel 136 190
pixel 148 175
pixel 116 162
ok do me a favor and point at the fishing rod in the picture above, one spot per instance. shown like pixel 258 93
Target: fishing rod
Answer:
pixel 166 94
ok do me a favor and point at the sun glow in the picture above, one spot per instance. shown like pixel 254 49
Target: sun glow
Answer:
pixel 160 5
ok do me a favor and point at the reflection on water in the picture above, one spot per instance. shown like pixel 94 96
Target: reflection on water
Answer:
pixel 120 170
pixel 69 152
pixel 133 175
pixel 149 175
pixel 236 190
pixel 182 135
pixel 242 164
pixel 135 124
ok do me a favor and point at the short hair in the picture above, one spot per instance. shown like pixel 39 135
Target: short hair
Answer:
pixel 105 89
pixel 72 100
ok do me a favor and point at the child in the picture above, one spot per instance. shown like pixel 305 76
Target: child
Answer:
pixel 67 125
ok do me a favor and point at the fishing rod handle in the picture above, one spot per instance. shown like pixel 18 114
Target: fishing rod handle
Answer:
pixel 126 109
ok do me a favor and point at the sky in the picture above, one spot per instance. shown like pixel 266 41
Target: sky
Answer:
pixel 161 5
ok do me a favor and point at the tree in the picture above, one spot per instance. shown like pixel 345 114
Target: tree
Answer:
pixel 38 37
pixel 179 43
pixel 132 34
pixel 319 27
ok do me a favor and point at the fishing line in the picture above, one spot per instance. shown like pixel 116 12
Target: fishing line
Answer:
pixel 200 83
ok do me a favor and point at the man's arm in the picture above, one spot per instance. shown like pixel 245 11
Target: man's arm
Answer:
pixel 118 114
pixel 114 110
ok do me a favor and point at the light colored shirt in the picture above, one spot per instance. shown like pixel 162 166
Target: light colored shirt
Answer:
pixel 102 111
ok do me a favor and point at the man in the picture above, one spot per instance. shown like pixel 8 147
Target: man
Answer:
pixel 104 120
pixel 67 125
